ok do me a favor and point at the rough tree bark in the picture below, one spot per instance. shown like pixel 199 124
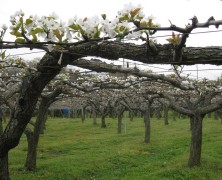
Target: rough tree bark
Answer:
pixel 43 127
pixel 83 114
pixel 165 115
pixel 119 126
pixel 119 118
pixel 196 140
pixel 146 116
pixel 4 172
pixel 103 121
pixel 1 125
pixel 115 50
pixel 94 115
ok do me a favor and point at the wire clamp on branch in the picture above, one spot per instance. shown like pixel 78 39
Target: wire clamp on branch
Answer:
pixel 151 47
pixel 60 59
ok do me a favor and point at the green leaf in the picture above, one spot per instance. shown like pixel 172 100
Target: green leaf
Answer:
pixel 3 55
pixel 34 37
pixel 21 20
pixel 97 34
pixel 37 30
pixel 124 18
pixel 20 40
pixel 75 27
pixel 28 21
pixel 58 35
pixel 134 12
pixel 143 24
pixel 172 75
pixel 150 23
pixel 16 33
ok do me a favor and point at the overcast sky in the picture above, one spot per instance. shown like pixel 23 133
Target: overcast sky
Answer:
pixel 177 11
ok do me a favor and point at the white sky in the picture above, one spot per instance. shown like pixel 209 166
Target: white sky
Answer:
pixel 177 11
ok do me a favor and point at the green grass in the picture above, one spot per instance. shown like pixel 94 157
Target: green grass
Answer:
pixel 70 150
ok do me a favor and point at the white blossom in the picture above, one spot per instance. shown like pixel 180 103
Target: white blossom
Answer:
pixel 12 19
pixel 185 82
pixel 19 13
pixel 151 17
pixel 72 20
pixel 50 47
pixel 54 15
pixel 42 35
pixel 35 18
pixel 129 8
pixel 68 34
pixel 134 35
pixel 4 27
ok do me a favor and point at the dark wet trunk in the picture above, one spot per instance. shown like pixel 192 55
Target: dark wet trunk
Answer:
pixel 103 121
pixel 83 114
pixel 43 127
pixel 33 139
pixel 31 156
pixel 196 141
pixel 146 116
pixel 4 172
pixel 166 119
pixel 94 115
pixel 119 127
pixel 1 125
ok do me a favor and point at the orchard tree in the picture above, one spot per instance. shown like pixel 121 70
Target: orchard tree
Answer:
pixel 97 36
pixel 195 104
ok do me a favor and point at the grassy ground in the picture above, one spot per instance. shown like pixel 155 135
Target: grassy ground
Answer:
pixel 70 150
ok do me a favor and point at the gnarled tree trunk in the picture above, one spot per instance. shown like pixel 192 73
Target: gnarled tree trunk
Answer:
pixel 196 140
pixel 120 117
pixel 94 115
pixel 165 115
pixel 146 116
pixel 83 114
pixel 30 163
pixel 103 121
pixel 1 125
pixel 4 172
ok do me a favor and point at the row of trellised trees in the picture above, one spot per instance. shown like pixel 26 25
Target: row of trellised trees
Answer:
pixel 70 44
pixel 104 95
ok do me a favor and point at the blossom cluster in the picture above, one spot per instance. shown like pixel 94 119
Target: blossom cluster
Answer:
pixel 51 29
pixel 2 31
